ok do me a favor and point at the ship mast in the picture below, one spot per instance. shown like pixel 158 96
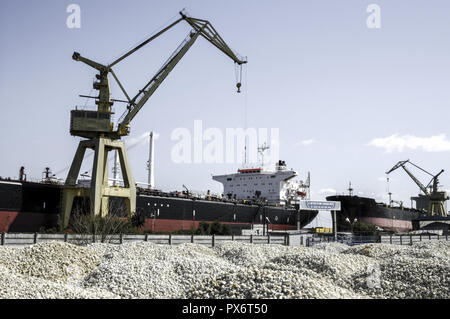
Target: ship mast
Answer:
pixel 150 163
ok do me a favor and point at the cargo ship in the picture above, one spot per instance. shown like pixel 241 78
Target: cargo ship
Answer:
pixel 251 196
pixel 368 210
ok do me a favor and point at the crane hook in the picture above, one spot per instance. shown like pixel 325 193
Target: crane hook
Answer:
pixel 238 71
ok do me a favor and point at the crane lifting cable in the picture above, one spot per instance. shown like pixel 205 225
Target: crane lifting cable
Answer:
pixel 238 73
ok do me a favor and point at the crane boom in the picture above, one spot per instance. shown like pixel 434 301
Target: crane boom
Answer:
pixel 144 43
pixel 402 164
pixel 421 186
pixel 209 33
pixel 201 27
pixel 150 87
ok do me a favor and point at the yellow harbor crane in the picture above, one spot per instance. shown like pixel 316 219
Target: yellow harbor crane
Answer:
pixel 435 197
pixel 103 137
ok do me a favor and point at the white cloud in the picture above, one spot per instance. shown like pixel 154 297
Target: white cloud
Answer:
pixel 396 143
pixel 306 142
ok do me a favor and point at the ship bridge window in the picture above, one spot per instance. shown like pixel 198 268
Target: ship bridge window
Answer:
pixel 229 179
pixel 273 176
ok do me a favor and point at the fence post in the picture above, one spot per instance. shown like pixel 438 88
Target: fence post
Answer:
pixel 3 239
pixel 146 237
pixel 192 238
pixel 213 240
pixel 65 237
pixel 420 236
pixel 401 239
pixel 268 238
pixel 232 237
pixel 170 239
pixel 390 239
pixel 121 238
pixel 251 239
pixel 35 238
pixel 410 240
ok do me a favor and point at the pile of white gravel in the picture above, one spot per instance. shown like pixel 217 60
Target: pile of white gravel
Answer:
pixel 229 270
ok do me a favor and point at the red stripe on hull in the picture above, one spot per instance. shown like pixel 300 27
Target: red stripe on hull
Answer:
pixel 393 224
pixel 6 219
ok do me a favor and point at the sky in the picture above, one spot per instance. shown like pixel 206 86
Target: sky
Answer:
pixel 349 100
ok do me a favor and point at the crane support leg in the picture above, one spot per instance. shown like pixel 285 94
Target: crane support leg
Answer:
pixel 437 208
pixel 100 191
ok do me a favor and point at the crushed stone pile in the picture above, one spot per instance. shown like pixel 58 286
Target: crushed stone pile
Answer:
pixel 229 270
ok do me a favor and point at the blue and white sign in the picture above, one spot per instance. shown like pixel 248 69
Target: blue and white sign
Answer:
pixel 320 205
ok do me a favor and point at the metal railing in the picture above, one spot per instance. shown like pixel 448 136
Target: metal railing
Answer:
pixel 24 239
pixel 384 239
pixel 348 240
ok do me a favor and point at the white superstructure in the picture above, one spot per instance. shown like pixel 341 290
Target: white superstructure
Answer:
pixel 276 187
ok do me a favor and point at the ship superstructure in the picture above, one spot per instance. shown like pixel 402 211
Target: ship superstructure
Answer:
pixel 276 187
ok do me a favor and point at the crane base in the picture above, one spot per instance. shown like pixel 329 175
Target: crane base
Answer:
pixel 100 191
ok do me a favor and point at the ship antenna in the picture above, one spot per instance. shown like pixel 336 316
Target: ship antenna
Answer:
pixel 350 189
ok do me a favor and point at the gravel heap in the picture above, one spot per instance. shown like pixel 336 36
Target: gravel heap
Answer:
pixel 229 270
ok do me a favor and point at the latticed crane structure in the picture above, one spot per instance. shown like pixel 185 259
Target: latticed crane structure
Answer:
pixel 435 197
pixel 103 136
